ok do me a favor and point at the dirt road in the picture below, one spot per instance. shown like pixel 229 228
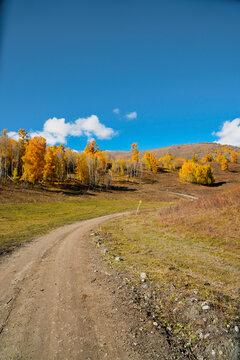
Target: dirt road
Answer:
pixel 59 301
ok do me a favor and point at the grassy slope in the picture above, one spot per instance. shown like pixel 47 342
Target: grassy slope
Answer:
pixel 21 222
pixel 191 254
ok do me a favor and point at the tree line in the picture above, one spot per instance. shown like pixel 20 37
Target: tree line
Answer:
pixel 30 160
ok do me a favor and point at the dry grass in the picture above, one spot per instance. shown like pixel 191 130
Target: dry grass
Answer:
pixel 214 219
pixel 190 253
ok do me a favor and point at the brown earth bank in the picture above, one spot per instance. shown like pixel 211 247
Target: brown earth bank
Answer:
pixel 59 301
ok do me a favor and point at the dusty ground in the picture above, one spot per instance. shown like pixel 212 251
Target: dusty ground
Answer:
pixel 59 301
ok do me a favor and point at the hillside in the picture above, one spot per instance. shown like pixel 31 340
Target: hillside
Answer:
pixel 178 151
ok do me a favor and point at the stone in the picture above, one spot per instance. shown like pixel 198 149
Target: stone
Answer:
pixel 117 258
pixel 205 307
pixel 236 329
pixel 143 275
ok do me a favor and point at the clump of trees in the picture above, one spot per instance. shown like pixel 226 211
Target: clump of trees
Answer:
pixel 197 173
pixel 31 160
pixel 150 162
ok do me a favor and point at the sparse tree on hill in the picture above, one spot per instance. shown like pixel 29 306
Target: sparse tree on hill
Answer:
pixel 197 173
pixel 234 157
pixel 224 163
pixel 195 158
pixel 135 152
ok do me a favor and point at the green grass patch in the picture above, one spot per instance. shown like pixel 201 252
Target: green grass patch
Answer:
pixel 23 222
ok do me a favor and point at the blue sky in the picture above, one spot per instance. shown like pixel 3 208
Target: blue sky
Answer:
pixel 172 64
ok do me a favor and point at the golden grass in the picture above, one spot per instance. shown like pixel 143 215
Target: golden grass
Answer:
pixel 188 251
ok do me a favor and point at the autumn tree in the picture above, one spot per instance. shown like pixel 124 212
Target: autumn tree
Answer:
pixel 49 170
pixel 234 157
pixel 23 139
pixel 82 170
pixel 195 158
pixel 197 173
pixel 4 154
pixel 33 160
pixel 224 163
pixel 91 148
pixel 168 162
pixel 150 161
pixel 135 152
pixel 207 158
pixel 60 162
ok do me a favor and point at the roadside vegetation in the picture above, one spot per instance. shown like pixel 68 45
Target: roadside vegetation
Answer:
pixel 188 257
pixel 23 222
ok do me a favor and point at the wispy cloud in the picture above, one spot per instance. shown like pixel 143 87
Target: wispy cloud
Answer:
pixel 56 131
pixel 131 115
pixel 229 133
pixel 116 111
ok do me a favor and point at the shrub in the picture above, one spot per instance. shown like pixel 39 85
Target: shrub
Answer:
pixel 224 163
pixel 234 157
pixel 207 158
pixel 197 173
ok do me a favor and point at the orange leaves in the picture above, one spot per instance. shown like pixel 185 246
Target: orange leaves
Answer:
pixel 82 170
pixel 224 163
pixel 234 157
pixel 91 148
pixel 33 160
pixel 50 164
pixel 135 152
pixel 150 161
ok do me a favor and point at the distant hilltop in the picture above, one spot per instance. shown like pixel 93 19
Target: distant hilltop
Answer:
pixel 178 151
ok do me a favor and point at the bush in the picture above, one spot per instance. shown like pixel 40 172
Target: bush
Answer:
pixel 197 173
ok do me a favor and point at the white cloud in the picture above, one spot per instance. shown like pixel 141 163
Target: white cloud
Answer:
pixel 131 115
pixel 13 135
pixel 56 131
pixel 116 111
pixel 230 133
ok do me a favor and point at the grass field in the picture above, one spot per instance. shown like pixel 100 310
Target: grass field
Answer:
pixel 22 222
pixel 190 253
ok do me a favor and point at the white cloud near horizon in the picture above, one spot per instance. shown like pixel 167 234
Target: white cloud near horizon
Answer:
pixel 116 111
pixel 56 131
pixel 229 133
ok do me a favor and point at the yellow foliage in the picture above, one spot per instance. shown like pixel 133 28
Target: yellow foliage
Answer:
pixel 207 158
pixel 234 157
pixel 150 161
pixel 15 175
pixel 91 148
pixel 82 170
pixel 135 152
pixel 195 158
pixel 197 173
pixel 50 164
pixel 33 160
pixel 224 163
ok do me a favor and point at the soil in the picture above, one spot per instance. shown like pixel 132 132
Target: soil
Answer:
pixel 58 300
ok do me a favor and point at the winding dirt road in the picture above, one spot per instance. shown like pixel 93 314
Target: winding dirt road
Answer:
pixel 57 302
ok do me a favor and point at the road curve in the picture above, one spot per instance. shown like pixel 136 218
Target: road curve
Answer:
pixel 49 307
